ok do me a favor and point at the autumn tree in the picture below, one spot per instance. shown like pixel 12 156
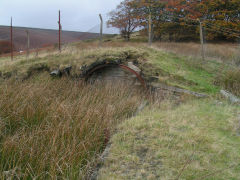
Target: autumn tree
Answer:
pixel 124 18
pixel 220 17
pixel 223 19
pixel 149 10
pixel 179 19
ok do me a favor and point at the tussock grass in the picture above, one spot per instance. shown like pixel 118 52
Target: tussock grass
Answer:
pixel 230 80
pixel 55 129
pixel 194 140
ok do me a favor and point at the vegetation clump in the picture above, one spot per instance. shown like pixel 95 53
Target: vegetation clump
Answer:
pixel 230 80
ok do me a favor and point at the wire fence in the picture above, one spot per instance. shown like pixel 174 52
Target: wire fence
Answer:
pixel 22 40
pixel 202 46
pixel 27 40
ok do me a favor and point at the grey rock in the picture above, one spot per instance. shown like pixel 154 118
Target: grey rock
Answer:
pixel 232 98
pixel 56 73
pixel 178 90
pixel 67 70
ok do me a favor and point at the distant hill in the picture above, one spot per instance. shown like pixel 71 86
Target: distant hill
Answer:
pixel 41 37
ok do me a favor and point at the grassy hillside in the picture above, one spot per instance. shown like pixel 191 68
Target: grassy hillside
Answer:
pixel 198 139
pixel 56 128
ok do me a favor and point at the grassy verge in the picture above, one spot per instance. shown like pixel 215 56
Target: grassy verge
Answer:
pixel 195 140
pixel 56 128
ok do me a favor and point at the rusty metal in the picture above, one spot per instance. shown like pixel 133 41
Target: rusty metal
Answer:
pixel 11 32
pixel 89 73
pixel 134 72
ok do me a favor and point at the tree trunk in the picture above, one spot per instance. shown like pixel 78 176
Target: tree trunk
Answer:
pixel 128 36
pixel 170 36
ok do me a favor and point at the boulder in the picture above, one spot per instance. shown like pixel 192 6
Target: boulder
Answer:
pixel 56 73
pixel 160 86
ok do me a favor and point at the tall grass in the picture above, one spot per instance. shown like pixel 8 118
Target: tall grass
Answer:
pixel 230 80
pixel 226 52
pixel 54 129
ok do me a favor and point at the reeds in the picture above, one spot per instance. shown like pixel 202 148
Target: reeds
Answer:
pixel 56 128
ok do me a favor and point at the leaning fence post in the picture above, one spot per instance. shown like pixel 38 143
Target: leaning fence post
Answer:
pixel 150 28
pixel 101 30
pixel 59 31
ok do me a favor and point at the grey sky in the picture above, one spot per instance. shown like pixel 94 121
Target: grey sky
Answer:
pixel 77 15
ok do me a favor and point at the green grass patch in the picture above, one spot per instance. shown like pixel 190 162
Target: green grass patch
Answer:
pixel 196 75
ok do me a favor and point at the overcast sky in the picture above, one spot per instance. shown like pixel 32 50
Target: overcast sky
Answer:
pixel 77 15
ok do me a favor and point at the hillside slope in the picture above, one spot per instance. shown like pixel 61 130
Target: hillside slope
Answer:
pixel 198 139
pixel 41 37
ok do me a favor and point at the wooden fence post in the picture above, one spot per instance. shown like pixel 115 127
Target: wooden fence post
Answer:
pixel 59 31
pixel 11 32
pixel 202 42
pixel 150 28
pixel 101 30
pixel 28 43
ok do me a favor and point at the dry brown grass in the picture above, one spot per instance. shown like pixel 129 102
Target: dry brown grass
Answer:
pixel 226 52
pixel 56 128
